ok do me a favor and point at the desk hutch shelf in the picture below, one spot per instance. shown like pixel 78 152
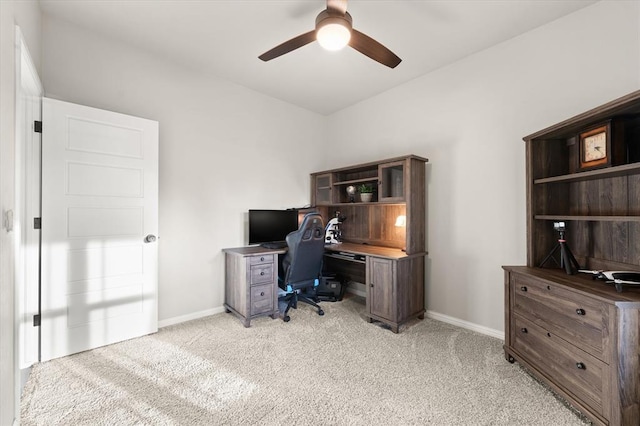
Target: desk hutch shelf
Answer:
pixel 579 335
pixel 399 190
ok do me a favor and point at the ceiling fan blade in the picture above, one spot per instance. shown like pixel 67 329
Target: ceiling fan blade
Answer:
pixel 289 45
pixel 376 51
pixel 338 5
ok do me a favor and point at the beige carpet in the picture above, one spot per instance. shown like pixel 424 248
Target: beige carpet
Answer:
pixel 331 370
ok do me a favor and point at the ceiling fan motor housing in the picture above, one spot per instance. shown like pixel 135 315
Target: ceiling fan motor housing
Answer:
pixel 329 16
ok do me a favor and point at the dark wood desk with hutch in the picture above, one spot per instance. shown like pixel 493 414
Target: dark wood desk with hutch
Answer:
pixel 388 259
pixel 579 335
pixel 394 279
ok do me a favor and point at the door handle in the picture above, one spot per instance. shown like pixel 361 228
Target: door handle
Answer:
pixel 150 238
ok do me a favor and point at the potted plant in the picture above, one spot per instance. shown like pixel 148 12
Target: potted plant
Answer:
pixel 366 192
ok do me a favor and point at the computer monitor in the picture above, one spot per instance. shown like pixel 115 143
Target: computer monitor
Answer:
pixel 269 227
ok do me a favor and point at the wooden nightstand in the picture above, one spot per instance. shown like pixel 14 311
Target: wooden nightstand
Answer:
pixel 251 282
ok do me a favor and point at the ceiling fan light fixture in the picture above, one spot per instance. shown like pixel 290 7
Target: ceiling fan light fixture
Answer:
pixel 333 31
pixel 333 36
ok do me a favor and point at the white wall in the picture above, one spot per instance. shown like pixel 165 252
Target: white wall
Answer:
pixel 26 14
pixel 223 150
pixel 469 119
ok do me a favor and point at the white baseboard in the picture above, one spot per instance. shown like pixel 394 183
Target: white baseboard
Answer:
pixel 356 291
pixel 360 290
pixel 24 376
pixel 196 315
pixel 430 314
pixel 465 324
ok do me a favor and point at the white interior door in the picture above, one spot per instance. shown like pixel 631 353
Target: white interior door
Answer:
pixel 99 204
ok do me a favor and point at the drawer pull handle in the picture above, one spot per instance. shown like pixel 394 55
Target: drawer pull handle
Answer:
pixel 580 366
pixel 523 288
pixel 548 287
pixel 262 259
pixel 548 334
pixel 580 311
pixel 262 273
pixel 262 293
pixel 524 330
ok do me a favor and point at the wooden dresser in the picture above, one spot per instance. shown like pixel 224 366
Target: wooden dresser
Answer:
pixel 251 282
pixel 580 335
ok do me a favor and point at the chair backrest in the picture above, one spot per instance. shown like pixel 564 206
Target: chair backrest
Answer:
pixel 303 261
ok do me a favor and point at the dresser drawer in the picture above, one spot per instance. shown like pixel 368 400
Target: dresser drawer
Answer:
pixel 578 372
pixel 261 274
pixel 263 258
pixel 568 314
pixel 261 299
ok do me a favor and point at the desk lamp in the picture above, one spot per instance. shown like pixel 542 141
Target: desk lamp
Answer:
pixel 401 222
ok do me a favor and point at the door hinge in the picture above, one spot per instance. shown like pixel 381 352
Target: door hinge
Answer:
pixel 37 126
pixel 36 320
pixel 37 223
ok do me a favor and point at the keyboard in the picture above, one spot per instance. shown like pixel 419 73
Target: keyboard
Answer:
pixel 274 245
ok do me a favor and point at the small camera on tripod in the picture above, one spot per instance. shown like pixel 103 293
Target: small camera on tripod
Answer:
pixel 567 261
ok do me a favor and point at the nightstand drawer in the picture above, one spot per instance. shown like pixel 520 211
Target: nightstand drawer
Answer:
pixel 568 314
pixel 261 274
pixel 263 258
pixel 261 299
pixel 572 368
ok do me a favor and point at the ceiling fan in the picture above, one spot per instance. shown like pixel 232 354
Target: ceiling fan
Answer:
pixel 334 31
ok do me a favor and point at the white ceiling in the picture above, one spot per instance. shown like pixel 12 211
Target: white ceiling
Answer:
pixel 224 38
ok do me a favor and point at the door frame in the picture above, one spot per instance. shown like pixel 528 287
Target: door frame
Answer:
pixel 28 108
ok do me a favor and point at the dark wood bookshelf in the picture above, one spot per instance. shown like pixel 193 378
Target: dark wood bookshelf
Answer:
pixel 579 335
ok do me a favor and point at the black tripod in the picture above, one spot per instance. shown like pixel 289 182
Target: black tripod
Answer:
pixel 567 261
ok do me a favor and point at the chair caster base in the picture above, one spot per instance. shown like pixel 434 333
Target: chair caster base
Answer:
pixel 286 318
pixel 321 312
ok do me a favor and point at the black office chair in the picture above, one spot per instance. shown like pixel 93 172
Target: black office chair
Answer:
pixel 302 265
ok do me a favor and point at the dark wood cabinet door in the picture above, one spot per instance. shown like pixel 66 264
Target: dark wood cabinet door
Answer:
pixel 391 181
pixel 322 190
pixel 380 287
